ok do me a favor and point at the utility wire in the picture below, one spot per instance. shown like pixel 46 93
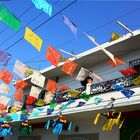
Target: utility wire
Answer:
pixel 43 23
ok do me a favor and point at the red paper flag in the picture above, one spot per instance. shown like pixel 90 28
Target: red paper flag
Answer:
pixel 6 76
pixel 30 100
pixel 69 67
pixel 18 95
pixel 2 107
pixel 53 56
pixel 128 71
pixel 118 62
pixel 20 84
pixel 51 86
pixel 63 88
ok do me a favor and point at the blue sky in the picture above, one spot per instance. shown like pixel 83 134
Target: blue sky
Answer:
pixel 97 18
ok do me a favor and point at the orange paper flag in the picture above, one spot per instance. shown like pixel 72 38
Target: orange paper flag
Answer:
pixel 51 86
pixel 20 84
pixel 118 62
pixel 69 67
pixel 18 95
pixel 53 56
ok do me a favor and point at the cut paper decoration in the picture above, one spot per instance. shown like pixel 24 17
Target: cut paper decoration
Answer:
pixel 85 96
pixel 35 113
pixel 25 128
pixel 20 84
pixel 51 86
pixel 18 95
pixel 84 73
pixel 15 117
pixel 136 81
pixel 30 100
pixel 80 104
pixel 59 124
pixel 38 79
pixel 4 57
pixel 5 129
pixel 50 111
pixel 74 93
pixel 114 36
pixel 3 107
pixel 43 5
pixel 33 38
pixel 5 89
pixel 69 67
pixel 18 104
pixel 40 109
pixel 53 56
pixel 12 109
pixel 98 100
pixel 63 88
pixel 53 104
pixel 118 62
pixel 35 91
pixel 20 68
pixel 112 118
pixel 70 24
pixel 103 49
pixel 29 71
pixel 8 18
pixel 128 71
pixel 4 100
pixel 29 108
pixel 40 102
pixel 127 93
pixel 118 87
pixel 6 76
pixel 48 97
pixel 65 106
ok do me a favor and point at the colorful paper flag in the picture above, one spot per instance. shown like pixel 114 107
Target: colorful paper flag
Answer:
pixel 48 97
pixel 83 74
pixel 49 111
pixel 38 79
pixel 69 67
pixel 5 89
pixel 6 76
pixel 136 81
pixel 18 95
pixel 40 102
pixel 114 36
pixel 70 24
pixel 35 91
pixel 29 71
pixel 18 104
pixel 74 93
pixel 4 100
pixel 118 62
pixel 85 96
pixel 4 57
pixel 15 117
pixel 128 71
pixel 53 56
pixel 98 100
pixel 118 87
pixel 20 68
pixel 20 84
pixel 43 5
pixel 53 104
pixel 51 86
pixel 33 38
pixel 80 104
pixel 30 100
pixel 63 88
pixel 127 93
pixel 8 18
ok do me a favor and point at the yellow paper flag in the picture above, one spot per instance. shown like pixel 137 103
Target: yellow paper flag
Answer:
pixel 33 38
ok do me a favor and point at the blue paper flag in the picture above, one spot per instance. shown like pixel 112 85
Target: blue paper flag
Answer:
pixel 49 111
pixel 39 108
pixel 127 93
pixel 118 87
pixel 43 5
pixel 80 104
pixel 15 117
pixel 2 120
pixel 23 117
pixel 97 100
pixel 70 102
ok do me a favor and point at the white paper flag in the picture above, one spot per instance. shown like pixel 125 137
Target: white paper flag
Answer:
pixel 48 97
pixel 5 89
pixel 38 79
pixel 20 68
pixel 4 100
pixel 35 91
pixel 82 75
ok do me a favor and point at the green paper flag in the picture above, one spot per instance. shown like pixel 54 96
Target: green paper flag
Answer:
pixel 53 105
pixel 8 18
pixel 85 96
